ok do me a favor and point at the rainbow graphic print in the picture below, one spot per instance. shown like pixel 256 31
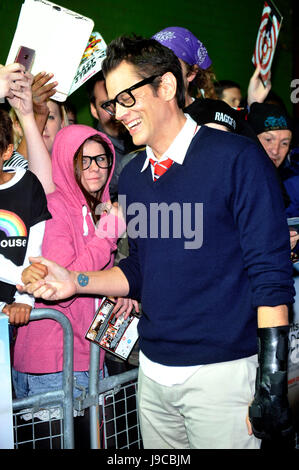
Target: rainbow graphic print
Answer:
pixel 11 224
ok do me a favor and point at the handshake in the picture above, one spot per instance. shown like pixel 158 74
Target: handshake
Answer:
pixel 33 273
pixel 48 280
pixel 19 313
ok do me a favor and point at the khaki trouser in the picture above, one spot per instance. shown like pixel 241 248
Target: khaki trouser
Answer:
pixel 208 411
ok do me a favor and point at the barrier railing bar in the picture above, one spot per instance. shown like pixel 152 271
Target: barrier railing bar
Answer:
pixel 94 414
pixel 65 395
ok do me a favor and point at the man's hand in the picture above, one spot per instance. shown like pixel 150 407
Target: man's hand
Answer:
pixel 124 306
pixel 58 284
pixel 42 91
pixel 294 237
pixel 11 76
pixel 18 313
pixel 34 272
pixel 256 91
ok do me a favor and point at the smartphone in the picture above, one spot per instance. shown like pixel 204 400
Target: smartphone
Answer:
pixel 25 56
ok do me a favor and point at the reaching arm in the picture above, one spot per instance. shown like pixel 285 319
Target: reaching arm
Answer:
pixel 41 92
pixel 11 273
pixel 61 283
pixel 34 248
pixel 266 253
pixel 38 155
pixel 269 412
pixel 257 92
pixel 19 311
pixel 111 282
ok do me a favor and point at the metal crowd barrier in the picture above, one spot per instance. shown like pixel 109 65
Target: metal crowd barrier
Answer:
pixel 112 404
pixel 113 408
pixel 46 420
pixel 121 424
pixel 50 403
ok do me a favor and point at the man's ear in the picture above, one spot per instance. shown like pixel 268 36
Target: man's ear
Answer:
pixel 8 152
pixel 93 111
pixel 168 86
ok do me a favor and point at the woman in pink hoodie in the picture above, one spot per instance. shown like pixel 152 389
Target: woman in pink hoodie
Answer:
pixel 82 166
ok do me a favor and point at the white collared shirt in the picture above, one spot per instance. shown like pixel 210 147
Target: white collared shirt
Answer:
pixel 167 375
pixel 179 146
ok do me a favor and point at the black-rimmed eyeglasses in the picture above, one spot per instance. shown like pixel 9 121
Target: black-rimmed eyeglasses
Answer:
pixel 126 98
pixel 101 160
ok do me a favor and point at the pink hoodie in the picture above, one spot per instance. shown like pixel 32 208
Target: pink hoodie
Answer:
pixel 69 240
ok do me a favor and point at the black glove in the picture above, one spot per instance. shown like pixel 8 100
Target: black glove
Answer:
pixel 269 412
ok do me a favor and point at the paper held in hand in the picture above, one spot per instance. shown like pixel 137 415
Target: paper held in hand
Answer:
pixel 267 39
pixel 91 61
pixel 57 35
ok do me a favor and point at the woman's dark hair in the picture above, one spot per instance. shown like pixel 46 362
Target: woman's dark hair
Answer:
pixel 90 85
pixel 149 58
pixel 91 200
pixel 6 130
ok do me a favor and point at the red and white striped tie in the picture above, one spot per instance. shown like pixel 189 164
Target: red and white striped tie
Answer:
pixel 160 168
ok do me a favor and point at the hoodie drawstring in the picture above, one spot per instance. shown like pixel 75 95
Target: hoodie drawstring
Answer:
pixel 85 226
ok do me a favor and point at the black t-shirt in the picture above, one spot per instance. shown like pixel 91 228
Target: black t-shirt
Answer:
pixel 22 205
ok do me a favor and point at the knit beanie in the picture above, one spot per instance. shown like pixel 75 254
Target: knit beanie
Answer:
pixel 264 117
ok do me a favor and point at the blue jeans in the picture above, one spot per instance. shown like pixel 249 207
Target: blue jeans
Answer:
pixel 31 384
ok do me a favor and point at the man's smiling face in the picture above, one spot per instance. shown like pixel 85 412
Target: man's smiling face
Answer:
pixel 144 120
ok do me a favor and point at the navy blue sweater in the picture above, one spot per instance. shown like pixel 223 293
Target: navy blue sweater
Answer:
pixel 199 305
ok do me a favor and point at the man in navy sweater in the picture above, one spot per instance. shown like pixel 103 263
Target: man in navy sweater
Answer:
pixel 209 260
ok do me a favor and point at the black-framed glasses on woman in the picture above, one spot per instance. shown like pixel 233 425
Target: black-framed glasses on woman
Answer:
pixel 101 160
pixel 126 98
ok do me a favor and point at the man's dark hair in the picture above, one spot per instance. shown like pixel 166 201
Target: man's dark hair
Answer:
pixel 149 58
pixel 6 131
pixel 222 85
pixel 70 107
pixel 90 84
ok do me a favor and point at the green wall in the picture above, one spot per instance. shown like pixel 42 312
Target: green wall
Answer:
pixel 228 28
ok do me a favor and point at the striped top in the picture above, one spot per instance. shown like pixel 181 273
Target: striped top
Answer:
pixel 16 161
